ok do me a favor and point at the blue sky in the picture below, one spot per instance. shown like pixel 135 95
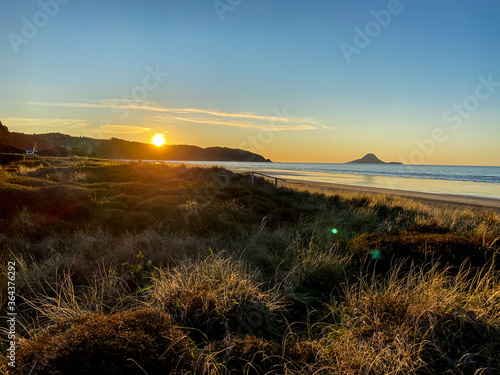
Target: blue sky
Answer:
pixel 268 76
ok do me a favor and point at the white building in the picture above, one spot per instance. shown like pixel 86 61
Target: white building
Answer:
pixel 31 152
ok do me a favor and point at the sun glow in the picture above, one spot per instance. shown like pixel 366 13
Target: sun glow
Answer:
pixel 158 140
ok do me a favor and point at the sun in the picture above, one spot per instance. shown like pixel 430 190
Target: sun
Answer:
pixel 158 140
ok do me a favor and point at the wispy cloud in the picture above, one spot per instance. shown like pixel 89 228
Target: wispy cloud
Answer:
pixel 123 129
pixel 16 122
pixel 208 116
pixel 273 127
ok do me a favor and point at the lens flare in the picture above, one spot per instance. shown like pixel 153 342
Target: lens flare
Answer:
pixel 376 254
pixel 334 231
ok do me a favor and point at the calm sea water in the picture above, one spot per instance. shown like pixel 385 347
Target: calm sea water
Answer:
pixel 455 180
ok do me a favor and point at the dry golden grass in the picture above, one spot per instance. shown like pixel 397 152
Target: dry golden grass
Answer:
pixel 424 322
pixel 172 269
pixel 481 222
pixel 216 296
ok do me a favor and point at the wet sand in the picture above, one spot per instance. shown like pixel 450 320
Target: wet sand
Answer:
pixel 430 198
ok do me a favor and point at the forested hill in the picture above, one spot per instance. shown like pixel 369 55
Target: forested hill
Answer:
pixel 57 144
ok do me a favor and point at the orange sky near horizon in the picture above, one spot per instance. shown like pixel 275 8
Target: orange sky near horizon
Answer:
pixel 321 145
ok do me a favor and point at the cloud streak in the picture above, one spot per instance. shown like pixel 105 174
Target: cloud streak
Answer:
pixel 211 117
pixel 123 129
pixel 244 124
pixel 14 122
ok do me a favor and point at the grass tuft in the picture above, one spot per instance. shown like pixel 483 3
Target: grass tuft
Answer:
pixel 216 296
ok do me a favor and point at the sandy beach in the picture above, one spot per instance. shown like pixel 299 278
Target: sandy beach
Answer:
pixel 437 199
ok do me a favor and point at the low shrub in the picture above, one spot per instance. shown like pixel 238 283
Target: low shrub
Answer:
pixel 417 244
pixel 10 158
pixel 129 342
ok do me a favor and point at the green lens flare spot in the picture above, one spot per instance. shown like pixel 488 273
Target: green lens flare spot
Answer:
pixel 334 231
pixel 376 254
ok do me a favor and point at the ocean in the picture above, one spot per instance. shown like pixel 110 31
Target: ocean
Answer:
pixel 471 181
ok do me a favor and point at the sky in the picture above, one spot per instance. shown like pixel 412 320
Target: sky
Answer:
pixel 295 81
